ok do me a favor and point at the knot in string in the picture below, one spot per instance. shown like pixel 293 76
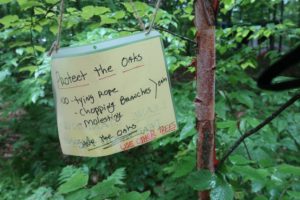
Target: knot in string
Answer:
pixel 56 44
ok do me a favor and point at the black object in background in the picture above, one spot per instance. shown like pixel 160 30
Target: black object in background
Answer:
pixel 288 61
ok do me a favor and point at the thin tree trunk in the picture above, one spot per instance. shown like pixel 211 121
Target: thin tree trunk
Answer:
pixel 272 37
pixel 205 99
pixel 281 21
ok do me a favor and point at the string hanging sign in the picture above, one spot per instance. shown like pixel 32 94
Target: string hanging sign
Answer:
pixel 112 96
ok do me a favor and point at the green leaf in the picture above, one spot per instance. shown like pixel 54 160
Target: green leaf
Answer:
pixel 119 15
pixel 184 166
pixel 257 185
pixel 38 28
pixel 267 33
pixel 239 160
pixel 54 29
pixel 72 10
pixel 42 193
pixel 260 198
pixel 223 191
pixel 39 11
pixel 140 7
pixel 99 10
pixel 20 51
pixel 8 20
pixel 250 173
pixel 52 1
pixel 26 4
pixel 90 11
pixel 78 195
pixel 5 1
pixel 244 98
pixel 77 181
pixel 280 124
pixel 107 20
pixel 135 196
pixel 294 194
pixel 289 143
pixel 66 173
pixel 289 169
pixel 201 180
pixel 248 64
pixel 3 74
pixel 87 12
pixel 40 48
pixel 230 125
pixel 105 189
pixel 117 177
pixel 31 69
pixel 128 7
pixel 228 4
pixel 227 124
pixel 187 130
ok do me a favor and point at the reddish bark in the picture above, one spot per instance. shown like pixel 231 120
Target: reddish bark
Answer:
pixel 205 99
pixel 216 7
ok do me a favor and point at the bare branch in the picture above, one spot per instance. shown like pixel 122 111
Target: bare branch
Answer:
pixel 244 143
pixel 257 128
pixel 175 34
pixel 238 125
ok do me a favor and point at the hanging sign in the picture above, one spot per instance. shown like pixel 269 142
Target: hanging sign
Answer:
pixel 112 96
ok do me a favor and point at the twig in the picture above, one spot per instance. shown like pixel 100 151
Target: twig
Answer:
pixel 175 34
pixel 257 128
pixel 137 16
pixel 165 30
pixel 238 126
pixel 244 143
pixel 56 44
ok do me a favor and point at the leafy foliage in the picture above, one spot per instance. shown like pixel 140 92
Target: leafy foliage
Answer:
pixel 72 180
pixel 73 185
pixel 250 35
pixel 201 180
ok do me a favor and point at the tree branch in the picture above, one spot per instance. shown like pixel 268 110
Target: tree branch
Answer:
pixel 257 128
pixel 244 143
pixel 175 34
pixel 238 124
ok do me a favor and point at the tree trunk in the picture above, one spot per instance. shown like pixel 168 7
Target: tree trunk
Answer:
pixel 205 99
pixel 281 21
pixel 274 20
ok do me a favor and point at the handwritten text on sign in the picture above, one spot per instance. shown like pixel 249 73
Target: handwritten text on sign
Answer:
pixel 112 99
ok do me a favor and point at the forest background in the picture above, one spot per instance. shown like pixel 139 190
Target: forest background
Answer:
pixel 250 35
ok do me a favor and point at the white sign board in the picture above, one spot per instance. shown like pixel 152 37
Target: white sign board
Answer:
pixel 112 96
